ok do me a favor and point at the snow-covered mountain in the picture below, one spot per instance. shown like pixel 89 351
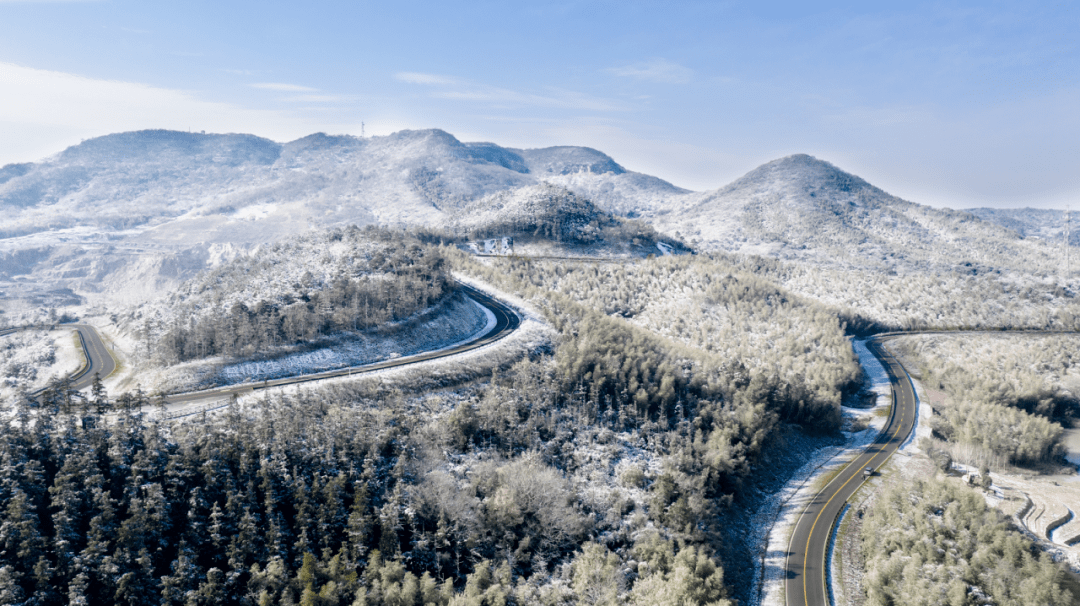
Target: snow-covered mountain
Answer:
pixel 133 213
pixel 139 211
pixel 240 188
pixel 803 208
pixel 1041 223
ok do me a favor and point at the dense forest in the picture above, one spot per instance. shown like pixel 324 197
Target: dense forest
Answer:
pixel 554 214
pixel 874 300
pixel 342 280
pixel 301 500
pixel 1007 396
pixel 725 329
pixel 934 542
pixel 598 474
pixel 600 469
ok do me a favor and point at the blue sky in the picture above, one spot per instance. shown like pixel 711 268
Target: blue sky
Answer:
pixel 950 104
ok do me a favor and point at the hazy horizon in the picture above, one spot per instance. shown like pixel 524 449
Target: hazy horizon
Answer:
pixel 961 105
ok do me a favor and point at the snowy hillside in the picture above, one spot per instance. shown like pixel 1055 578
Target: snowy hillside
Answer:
pixel 131 214
pixel 549 220
pixel 126 216
pixel 547 210
pixel 285 293
pixel 233 188
pixel 1039 223
pixel 803 208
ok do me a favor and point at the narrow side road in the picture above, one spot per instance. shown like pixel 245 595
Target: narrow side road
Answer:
pixel 806 553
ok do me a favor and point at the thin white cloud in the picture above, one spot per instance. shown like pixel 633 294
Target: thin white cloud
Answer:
pixel 283 87
pixel 430 79
pixel 463 90
pixel 43 111
pixel 656 70
pixel 321 98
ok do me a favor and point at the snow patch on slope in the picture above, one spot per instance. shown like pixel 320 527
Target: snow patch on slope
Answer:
pixel 462 320
pixel 802 488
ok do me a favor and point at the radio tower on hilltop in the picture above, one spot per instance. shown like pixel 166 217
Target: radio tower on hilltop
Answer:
pixel 1067 245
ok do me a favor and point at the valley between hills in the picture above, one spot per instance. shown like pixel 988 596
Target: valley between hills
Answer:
pixel 415 370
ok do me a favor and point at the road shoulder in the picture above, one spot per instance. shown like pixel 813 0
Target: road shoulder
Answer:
pixel 811 477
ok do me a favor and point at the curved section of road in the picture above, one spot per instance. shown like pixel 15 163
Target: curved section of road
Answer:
pixel 101 363
pixel 806 553
pixel 98 361
pixel 506 321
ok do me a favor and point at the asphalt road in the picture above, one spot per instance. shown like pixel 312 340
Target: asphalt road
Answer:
pixel 98 359
pixel 506 321
pixel 805 563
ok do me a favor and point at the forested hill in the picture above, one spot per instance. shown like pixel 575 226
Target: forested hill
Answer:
pixel 1041 223
pixel 285 293
pixel 800 207
pixel 129 214
pixel 124 216
pixel 178 182
pixel 556 215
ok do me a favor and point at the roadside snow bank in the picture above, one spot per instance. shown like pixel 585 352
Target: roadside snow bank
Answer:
pixel 456 321
pixel 801 489
pixel 876 376
pixel 29 359
pixel 462 321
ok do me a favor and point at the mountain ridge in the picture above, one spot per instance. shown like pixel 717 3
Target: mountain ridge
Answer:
pixel 151 207
pixel 802 208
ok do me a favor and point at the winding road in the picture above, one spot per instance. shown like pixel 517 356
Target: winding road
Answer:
pixel 506 321
pixel 805 570
pixel 100 362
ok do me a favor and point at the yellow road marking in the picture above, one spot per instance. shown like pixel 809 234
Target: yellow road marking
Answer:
pixel 806 560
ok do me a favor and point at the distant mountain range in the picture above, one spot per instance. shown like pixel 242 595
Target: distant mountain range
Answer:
pixel 175 186
pixel 134 212
pixel 1038 223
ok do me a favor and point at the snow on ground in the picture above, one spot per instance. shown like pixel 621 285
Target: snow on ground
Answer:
pixel 805 483
pixel 922 421
pixel 1045 506
pixel 1071 440
pixel 126 348
pixel 461 324
pixel 532 335
pixel 794 498
pixel 1035 502
pixel 461 320
pixel 30 358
